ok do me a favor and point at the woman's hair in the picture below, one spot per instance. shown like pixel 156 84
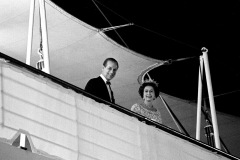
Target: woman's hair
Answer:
pixel 149 83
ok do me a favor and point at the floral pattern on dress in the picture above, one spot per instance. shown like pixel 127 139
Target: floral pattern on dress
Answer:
pixel 153 115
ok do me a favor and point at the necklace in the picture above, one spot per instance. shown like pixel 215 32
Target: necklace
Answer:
pixel 150 108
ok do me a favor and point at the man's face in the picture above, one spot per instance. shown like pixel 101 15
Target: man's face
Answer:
pixel 109 71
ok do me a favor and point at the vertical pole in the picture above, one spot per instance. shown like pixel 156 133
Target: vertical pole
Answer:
pixel 211 99
pixel 30 32
pixel 44 36
pixel 199 102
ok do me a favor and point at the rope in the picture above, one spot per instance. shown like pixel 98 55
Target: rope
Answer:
pixel 144 28
pixel 226 93
pixel 110 23
pixel 176 121
pixel 40 63
pixel 114 12
pixel 170 38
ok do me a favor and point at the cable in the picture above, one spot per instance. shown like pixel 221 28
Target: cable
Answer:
pixel 176 121
pixel 180 42
pixel 144 28
pixel 109 23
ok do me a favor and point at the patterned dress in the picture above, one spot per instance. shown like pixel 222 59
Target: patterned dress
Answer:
pixel 153 115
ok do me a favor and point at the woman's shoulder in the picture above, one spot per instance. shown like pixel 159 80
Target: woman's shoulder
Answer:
pixel 135 107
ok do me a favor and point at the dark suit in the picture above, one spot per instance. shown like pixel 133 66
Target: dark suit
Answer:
pixel 97 87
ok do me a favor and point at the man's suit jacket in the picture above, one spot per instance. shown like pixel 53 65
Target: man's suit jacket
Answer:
pixel 97 87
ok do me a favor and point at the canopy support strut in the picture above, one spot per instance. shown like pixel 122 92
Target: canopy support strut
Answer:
pixel 43 35
pixel 30 31
pixel 211 100
pixel 199 104
pixel 115 27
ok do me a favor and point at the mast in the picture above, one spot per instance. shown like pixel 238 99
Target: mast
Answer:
pixel 211 99
pixel 43 26
pixel 30 31
pixel 199 102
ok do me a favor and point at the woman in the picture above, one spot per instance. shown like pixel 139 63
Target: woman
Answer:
pixel 148 91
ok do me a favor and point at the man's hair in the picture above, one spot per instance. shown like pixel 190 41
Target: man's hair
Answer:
pixel 110 59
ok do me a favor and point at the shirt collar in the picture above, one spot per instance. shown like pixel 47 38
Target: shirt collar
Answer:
pixel 105 80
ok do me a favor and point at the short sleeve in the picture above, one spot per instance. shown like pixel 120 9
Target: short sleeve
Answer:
pixel 135 108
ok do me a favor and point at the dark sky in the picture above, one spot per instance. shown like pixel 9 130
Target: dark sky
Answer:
pixel 176 29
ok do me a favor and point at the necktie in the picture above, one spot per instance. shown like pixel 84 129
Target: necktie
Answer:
pixel 110 90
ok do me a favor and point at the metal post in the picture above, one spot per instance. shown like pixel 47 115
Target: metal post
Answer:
pixel 30 32
pixel 199 102
pixel 211 99
pixel 44 36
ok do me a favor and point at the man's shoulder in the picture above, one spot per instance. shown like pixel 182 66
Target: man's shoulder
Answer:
pixel 95 79
pixel 94 82
pixel 95 86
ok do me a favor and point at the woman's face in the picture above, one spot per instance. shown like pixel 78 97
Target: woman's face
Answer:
pixel 148 94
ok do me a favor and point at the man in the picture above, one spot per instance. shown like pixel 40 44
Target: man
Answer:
pixel 100 86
